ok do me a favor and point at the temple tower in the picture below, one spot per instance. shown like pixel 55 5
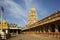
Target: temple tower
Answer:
pixel 3 24
pixel 32 17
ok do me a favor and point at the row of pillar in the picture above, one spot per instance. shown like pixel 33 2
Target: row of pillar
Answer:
pixel 50 30
pixel 14 31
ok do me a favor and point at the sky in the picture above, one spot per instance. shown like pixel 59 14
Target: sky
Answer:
pixel 16 11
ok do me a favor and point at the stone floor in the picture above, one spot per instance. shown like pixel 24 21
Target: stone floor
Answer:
pixel 30 37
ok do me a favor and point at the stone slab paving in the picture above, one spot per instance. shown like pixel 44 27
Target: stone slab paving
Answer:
pixel 30 37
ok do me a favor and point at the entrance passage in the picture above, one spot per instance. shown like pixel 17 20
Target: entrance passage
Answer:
pixel 52 28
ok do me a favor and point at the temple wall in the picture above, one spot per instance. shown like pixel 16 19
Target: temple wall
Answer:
pixel 51 30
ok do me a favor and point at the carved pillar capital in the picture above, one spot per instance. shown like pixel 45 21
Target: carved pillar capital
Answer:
pixel 56 29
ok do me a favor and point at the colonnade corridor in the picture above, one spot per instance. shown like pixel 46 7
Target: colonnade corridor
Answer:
pixel 50 30
pixel 31 37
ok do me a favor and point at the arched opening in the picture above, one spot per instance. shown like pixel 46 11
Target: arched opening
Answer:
pixel 19 31
pixel 15 30
pixel 42 29
pixel 38 29
pixel 59 28
pixel 46 29
pixel 3 30
pixel 52 28
pixel 11 30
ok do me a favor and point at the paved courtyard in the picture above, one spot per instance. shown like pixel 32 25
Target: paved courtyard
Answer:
pixel 30 37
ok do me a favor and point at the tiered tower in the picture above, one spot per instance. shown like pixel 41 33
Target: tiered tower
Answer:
pixel 32 17
pixel 4 24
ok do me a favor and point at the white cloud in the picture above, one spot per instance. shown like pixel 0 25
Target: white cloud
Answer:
pixel 28 3
pixel 15 9
pixel 25 21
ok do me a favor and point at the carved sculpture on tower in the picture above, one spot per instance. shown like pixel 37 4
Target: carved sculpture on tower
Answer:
pixel 32 17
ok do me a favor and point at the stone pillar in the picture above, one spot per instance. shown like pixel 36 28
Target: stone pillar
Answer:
pixel 34 30
pixel 41 30
pixel 57 35
pixel 56 29
pixel 52 28
pixel 16 32
pixel 44 29
pixel 13 31
pixel 45 33
pixel 37 30
pixel 29 31
pixel 6 31
pixel 49 31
